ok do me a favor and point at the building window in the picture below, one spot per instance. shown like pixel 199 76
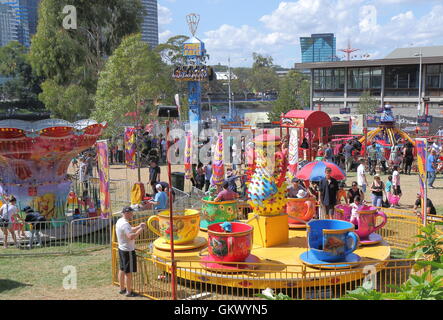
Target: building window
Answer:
pixel 364 78
pixel 329 79
pixel 402 77
pixel 434 76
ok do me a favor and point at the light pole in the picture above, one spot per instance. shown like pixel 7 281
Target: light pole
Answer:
pixel 229 89
pixel 318 102
pixel 419 83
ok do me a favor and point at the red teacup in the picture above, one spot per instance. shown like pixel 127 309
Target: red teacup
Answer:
pixel 232 246
pixel 366 220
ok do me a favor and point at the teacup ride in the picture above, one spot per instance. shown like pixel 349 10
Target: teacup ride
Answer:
pixel 185 229
pixel 220 211
pixel 227 248
pixel 300 211
pixel 342 212
pixel 366 225
pixel 331 244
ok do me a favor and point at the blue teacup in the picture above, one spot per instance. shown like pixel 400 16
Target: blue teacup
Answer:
pixel 331 240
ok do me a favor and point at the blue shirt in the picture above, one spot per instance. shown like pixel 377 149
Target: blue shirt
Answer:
pixel 431 161
pixel 208 172
pixel 162 200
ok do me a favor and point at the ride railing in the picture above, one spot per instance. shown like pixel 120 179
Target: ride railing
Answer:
pixel 195 282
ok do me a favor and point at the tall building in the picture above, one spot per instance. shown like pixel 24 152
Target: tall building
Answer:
pixel 150 22
pixel 319 47
pixel 24 16
pixel 8 28
pixel 20 16
pixel 32 8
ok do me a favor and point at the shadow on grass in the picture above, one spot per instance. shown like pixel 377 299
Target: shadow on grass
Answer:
pixel 6 285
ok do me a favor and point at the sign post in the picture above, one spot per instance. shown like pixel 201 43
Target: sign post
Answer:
pixel 422 158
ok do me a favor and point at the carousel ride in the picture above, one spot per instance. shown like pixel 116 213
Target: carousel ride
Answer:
pixel 264 243
pixel 34 160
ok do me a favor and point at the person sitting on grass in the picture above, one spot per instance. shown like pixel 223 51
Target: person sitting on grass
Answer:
pixel 226 194
pixel 430 209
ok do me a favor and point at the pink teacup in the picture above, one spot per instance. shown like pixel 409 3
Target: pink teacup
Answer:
pixel 366 220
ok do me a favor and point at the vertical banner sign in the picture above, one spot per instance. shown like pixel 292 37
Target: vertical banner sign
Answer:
pixel 218 169
pixel 293 150
pixel 103 174
pixel 130 147
pixel 188 156
pixel 422 145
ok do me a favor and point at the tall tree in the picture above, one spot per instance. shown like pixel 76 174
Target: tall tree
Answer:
pixel 131 81
pixel 24 85
pixel 171 50
pixel 71 58
pixel 294 94
pixel 367 104
pixel 264 76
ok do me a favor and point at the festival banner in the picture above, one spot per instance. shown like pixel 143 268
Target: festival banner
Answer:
pixel 188 155
pixel 218 169
pixel 293 150
pixel 422 145
pixel 103 174
pixel 130 147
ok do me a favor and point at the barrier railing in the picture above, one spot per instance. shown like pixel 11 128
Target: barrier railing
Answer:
pixel 194 282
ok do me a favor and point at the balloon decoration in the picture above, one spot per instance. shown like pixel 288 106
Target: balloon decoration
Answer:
pixel 267 187
pixel 34 159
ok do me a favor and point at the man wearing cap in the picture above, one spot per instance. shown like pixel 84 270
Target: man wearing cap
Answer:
pixel 160 201
pixel 126 236
pixel 296 187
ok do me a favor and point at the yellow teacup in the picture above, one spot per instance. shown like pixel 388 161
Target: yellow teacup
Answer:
pixel 186 225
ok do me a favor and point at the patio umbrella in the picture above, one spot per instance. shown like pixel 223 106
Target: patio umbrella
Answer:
pixel 315 171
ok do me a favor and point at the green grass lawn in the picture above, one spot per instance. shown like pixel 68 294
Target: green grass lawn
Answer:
pixel 41 277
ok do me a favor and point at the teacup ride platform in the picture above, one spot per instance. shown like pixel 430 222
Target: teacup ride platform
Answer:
pixel 278 267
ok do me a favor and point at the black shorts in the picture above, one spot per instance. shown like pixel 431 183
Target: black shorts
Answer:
pixel 128 261
pixel 397 190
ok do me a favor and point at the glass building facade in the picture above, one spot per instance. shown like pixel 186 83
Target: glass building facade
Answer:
pixel 318 48
pixel 24 15
pixel 8 27
pixel 150 22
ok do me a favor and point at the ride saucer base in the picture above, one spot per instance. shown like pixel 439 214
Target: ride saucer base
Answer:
pixel 297 226
pixel 309 259
pixel 198 242
pixel 221 267
pixel 373 238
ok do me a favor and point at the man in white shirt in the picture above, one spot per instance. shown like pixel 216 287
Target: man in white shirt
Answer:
pixel 361 176
pixel 126 236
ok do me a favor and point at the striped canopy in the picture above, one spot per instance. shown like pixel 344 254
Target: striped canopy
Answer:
pixel 315 171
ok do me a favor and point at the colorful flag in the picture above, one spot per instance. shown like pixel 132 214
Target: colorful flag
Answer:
pixel 130 147
pixel 422 146
pixel 293 150
pixel 218 169
pixel 103 174
pixel 188 156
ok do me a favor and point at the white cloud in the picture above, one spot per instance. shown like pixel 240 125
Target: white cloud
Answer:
pixel 164 15
pixel 357 20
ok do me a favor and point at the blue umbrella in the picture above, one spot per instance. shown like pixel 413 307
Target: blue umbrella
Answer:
pixel 315 171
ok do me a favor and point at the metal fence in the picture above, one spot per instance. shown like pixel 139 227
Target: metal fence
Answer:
pixel 61 237
pixel 194 282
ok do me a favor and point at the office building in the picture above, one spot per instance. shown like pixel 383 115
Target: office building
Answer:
pixel 8 28
pixel 32 9
pixel 150 22
pixel 393 80
pixel 21 24
pixel 318 48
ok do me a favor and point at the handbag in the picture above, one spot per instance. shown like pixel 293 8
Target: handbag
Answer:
pixel 4 223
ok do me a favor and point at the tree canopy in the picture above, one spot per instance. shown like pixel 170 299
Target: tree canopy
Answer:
pixel 71 60
pixel 131 81
pixel 294 94
pixel 367 104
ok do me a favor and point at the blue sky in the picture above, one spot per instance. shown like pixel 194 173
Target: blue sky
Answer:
pixel 237 28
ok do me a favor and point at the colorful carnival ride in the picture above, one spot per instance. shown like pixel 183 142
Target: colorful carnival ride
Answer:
pixel 387 133
pixel 34 159
pixel 264 244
